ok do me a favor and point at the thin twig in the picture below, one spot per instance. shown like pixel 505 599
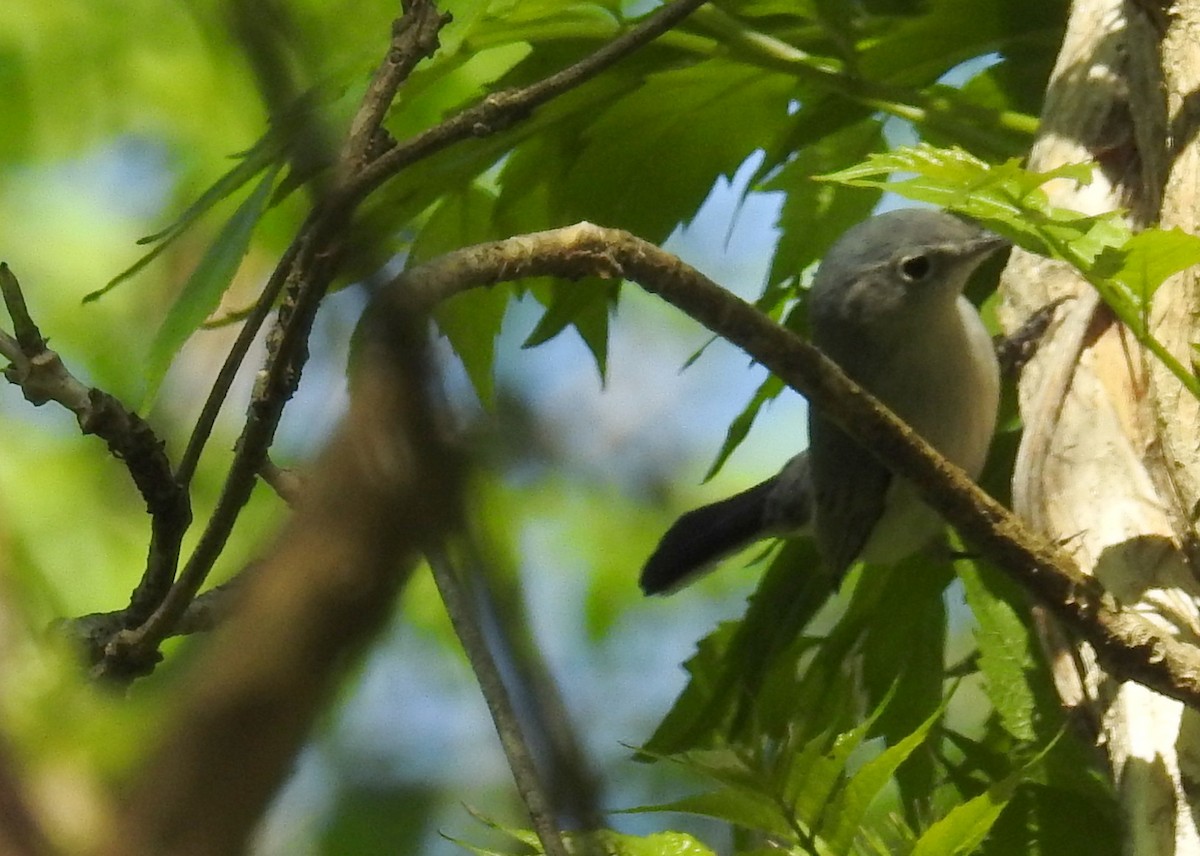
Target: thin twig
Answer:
pixel 422 20
pixel 313 261
pixel 233 362
pixel 571 783
pixel 465 621
pixel 43 377
pixel 499 110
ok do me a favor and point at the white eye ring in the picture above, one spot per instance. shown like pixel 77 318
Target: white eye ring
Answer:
pixel 915 268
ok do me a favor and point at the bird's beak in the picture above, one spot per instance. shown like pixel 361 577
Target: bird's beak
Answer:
pixel 986 244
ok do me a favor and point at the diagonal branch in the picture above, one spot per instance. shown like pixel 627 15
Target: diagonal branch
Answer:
pixel 500 110
pixel 1130 646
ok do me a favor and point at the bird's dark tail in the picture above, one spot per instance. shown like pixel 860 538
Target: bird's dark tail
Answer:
pixel 705 535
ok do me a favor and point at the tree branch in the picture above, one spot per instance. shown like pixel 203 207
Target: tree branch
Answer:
pixel 309 265
pixel 500 110
pixel 386 488
pixel 508 725
pixel 1129 645
pixel 313 260
pixel 43 377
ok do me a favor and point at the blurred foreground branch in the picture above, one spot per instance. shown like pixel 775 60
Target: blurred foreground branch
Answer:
pixel 385 489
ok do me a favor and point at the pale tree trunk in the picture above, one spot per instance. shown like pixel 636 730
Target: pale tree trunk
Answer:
pixel 1110 461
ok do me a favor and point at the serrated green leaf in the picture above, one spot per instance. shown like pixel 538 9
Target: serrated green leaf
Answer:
pixel 585 305
pixel 722 764
pixel 473 848
pixel 903 653
pixel 812 782
pixel 1004 195
pixel 544 20
pixel 728 697
pixel 1147 260
pixel 202 292
pixel 816 773
pixel 722 111
pixel 747 809
pixel 950 32
pixel 619 844
pixel 701 707
pixel 595 841
pixel 1004 653
pixel 470 321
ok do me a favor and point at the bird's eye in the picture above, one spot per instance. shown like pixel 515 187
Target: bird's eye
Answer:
pixel 915 268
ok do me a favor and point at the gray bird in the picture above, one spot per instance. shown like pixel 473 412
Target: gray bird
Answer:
pixel 887 306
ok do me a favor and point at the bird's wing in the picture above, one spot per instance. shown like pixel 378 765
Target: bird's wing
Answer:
pixel 849 487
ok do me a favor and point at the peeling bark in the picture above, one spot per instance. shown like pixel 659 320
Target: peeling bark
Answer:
pixel 1110 461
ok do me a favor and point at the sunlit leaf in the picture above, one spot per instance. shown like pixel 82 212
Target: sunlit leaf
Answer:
pixel 1004 655
pixel 747 809
pixel 966 825
pixel 1124 268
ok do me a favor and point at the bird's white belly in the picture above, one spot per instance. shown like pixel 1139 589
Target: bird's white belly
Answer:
pixel 959 423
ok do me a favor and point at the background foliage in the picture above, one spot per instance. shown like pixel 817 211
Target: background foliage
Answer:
pixel 907 711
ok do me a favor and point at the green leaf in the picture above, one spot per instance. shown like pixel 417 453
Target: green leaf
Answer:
pixel 747 809
pixel 850 809
pixel 729 673
pixel 471 321
pixel 814 775
pixel 768 390
pixel 1004 651
pixel 202 292
pixel 586 305
pixel 595 841
pixel 1148 259
pixel 1004 196
pixel 814 779
pixel 903 651
pixel 950 32
pixel 963 829
pixel 250 164
pixel 619 844
pixel 544 20
pixel 649 180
